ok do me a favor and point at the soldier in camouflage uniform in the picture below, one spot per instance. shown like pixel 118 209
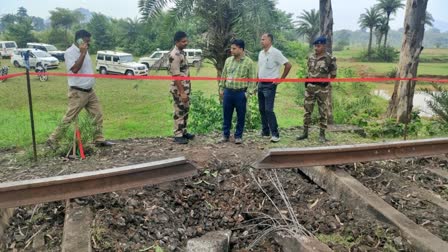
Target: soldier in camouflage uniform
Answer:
pixel 320 64
pixel 180 89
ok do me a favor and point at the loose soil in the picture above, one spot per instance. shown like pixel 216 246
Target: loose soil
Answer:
pixel 223 196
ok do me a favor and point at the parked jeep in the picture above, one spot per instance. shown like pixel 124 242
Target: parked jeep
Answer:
pixel 110 62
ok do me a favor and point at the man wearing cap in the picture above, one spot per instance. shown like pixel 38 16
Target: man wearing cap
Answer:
pixel 321 65
pixel 270 60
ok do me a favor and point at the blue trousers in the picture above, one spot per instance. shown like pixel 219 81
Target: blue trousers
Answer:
pixel 234 99
pixel 266 98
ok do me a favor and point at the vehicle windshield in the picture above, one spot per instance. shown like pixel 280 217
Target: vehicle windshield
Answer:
pixel 10 45
pixel 127 58
pixel 41 54
pixel 51 48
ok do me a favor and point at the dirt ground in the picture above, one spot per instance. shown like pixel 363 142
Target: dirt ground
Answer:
pixel 394 182
pixel 224 196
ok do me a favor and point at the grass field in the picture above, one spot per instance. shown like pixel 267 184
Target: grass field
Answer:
pixel 135 108
pixel 131 108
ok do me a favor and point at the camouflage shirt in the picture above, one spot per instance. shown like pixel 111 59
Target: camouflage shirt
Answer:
pixel 178 65
pixel 322 67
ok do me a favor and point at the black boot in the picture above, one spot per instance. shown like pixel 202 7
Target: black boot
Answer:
pixel 304 135
pixel 322 138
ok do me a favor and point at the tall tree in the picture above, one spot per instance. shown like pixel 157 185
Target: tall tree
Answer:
pixel 100 27
pixel 326 29
pixel 389 7
pixel 380 30
pixel 19 27
pixel 369 20
pixel 401 103
pixel 326 22
pixel 308 25
pixel 225 20
pixel 64 19
pixel 429 19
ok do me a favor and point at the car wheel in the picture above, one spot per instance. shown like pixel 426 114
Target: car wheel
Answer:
pixel 129 73
pixel 16 63
pixel 103 71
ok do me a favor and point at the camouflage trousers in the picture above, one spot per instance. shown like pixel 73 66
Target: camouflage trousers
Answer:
pixel 181 109
pixel 312 93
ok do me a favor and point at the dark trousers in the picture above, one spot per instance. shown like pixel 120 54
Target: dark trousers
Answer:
pixel 266 97
pixel 234 99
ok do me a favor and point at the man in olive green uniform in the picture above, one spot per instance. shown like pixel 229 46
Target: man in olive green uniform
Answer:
pixel 320 64
pixel 180 89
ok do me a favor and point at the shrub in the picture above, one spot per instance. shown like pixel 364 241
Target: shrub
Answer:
pixel 388 54
pixel 206 114
pixel 439 102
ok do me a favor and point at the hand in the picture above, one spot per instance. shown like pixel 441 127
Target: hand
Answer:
pixel 83 47
pixel 276 83
pixel 184 98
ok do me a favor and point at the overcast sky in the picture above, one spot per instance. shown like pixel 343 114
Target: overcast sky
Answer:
pixel 345 12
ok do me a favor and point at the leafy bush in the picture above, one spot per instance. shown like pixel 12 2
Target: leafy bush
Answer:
pixel 390 128
pixel 439 102
pixel 388 54
pixel 295 49
pixel 206 114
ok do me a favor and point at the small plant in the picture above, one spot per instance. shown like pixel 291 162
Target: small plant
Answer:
pixel 439 102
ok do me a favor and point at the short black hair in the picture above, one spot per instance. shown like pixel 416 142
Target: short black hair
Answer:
pixel 82 34
pixel 178 36
pixel 239 42
pixel 270 36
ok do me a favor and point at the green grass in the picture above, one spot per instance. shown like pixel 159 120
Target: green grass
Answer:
pixel 140 108
pixel 438 55
pixel 131 108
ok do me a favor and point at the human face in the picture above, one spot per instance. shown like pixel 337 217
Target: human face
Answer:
pixel 236 51
pixel 86 40
pixel 265 41
pixel 182 44
pixel 319 49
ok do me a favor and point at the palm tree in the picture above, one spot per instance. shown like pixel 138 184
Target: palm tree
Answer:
pixel 389 7
pixel 371 19
pixel 224 18
pixel 380 30
pixel 308 25
pixel 429 19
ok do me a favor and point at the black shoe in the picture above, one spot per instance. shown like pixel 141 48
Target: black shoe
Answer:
pixel 189 136
pixel 304 135
pixel 322 138
pixel 104 144
pixel 181 140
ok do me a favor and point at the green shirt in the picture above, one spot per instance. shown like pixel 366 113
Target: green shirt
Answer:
pixel 244 68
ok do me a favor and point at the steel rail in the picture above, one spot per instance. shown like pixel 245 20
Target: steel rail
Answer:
pixel 345 154
pixel 28 192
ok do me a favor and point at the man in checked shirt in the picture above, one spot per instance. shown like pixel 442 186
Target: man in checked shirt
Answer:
pixel 234 93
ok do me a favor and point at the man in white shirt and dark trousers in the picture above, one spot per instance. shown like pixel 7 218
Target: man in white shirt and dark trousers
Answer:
pixel 81 94
pixel 270 60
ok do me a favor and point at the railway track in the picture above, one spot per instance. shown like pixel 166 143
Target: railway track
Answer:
pixel 313 161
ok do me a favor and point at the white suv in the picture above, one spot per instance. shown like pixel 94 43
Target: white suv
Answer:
pixel 37 57
pixel 157 60
pixel 118 63
pixel 7 48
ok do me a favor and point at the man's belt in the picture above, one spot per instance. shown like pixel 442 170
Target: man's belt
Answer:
pixel 237 89
pixel 322 84
pixel 81 89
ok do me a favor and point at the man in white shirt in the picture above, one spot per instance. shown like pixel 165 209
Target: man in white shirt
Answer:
pixel 81 94
pixel 270 60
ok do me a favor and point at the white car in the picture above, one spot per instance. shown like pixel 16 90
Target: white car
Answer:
pixel 51 49
pixel 157 60
pixel 118 63
pixel 7 48
pixel 37 57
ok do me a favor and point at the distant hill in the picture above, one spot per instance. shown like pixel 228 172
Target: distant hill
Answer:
pixel 433 38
